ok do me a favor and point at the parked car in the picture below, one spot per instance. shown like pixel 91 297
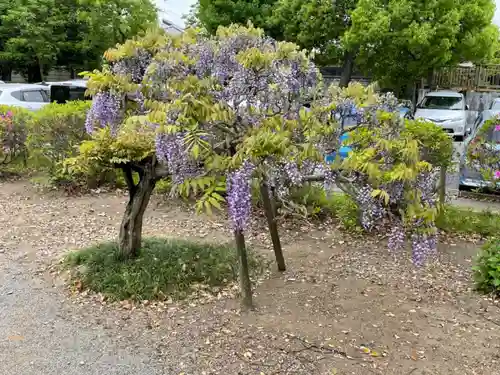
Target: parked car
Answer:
pixel 32 97
pixel 64 91
pixel 469 176
pixel 446 109
pixel 495 104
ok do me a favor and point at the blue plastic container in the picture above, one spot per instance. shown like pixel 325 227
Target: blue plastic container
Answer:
pixel 343 151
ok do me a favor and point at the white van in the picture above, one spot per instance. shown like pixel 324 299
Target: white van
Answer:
pixel 446 109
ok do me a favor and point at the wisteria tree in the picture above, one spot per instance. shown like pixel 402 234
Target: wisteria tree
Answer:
pixel 188 107
pixel 215 113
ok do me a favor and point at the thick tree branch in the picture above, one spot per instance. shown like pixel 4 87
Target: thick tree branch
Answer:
pixel 129 179
pixel 222 127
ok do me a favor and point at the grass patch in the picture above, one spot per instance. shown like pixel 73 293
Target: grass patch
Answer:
pixel 465 221
pixel 164 268
pixel 315 202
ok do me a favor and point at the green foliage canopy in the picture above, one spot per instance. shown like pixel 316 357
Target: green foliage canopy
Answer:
pixel 401 41
pixel 210 14
pixel 397 42
pixel 36 35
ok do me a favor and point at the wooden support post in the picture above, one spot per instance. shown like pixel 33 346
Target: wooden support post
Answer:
pixel 273 227
pixel 244 275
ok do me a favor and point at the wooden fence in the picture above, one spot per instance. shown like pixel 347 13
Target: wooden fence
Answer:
pixel 478 78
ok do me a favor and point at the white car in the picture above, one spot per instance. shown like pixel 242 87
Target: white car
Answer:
pixel 31 97
pixel 446 109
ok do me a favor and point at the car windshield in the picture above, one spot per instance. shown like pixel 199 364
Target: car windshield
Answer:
pixel 441 102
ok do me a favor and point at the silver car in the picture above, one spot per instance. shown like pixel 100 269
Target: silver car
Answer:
pixel 31 97
pixel 470 177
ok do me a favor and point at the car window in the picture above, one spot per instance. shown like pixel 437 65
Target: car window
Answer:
pixel 441 102
pixel 46 95
pixel 17 95
pixel 34 96
pixel 63 93
pixel 495 104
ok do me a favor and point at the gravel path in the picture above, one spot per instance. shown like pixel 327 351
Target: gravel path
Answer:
pixel 41 332
pixel 339 293
pixel 40 335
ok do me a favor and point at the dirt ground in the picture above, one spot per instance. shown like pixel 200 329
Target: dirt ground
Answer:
pixel 344 305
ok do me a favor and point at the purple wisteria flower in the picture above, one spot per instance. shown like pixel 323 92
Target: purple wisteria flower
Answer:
pixel 239 197
pixel 135 66
pixel 396 238
pixel 371 207
pixel 105 111
pixel 170 149
pixel 292 170
pixel 423 246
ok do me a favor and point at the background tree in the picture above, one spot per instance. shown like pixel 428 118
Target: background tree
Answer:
pixel 312 24
pixel 400 42
pixel 36 35
pixel 318 25
pixel 397 42
pixel 31 32
pixel 210 14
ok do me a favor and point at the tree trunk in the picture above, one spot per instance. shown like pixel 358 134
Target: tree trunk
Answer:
pixel 5 74
pixel 430 79
pixel 274 206
pixel 245 284
pixel 34 73
pixel 409 91
pixel 130 238
pixel 347 68
pixel 273 227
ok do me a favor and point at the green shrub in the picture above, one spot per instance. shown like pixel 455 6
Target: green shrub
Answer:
pixel 13 131
pixel 164 186
pixel 465 221
pixel 69 176
pixel 314 201
pixel 55 132
pixel 487 268
pixel 164 268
